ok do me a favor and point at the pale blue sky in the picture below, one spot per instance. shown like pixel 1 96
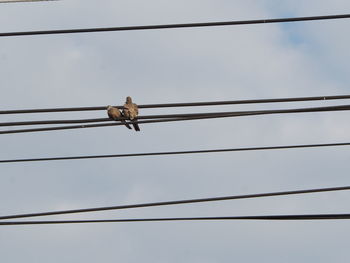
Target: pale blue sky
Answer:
pixel 243 62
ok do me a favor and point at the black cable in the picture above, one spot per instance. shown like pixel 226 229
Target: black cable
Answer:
pixel 45 122
pixel 168 26
pixel 189 104
pixel 264 148
pixel 24 1
pixel 217 218
pixel 177 202
pixel 184 115
pixel 145 117
pixel 193 116
pixel 103 125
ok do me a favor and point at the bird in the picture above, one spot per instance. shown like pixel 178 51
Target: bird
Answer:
pixel 114 113
pixel 131 111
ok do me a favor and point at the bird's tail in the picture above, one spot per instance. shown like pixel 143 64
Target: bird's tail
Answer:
pixel 126 124
pixel 136 126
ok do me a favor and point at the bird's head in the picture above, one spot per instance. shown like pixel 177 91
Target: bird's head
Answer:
pixel 109 107
pixel 128 99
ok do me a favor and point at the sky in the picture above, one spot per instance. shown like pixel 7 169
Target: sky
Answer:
pixel 164 66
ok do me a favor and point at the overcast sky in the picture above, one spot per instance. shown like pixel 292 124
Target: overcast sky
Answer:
pixel 178 65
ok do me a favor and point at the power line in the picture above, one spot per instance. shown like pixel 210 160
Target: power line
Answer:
pixel 23 1
pixel 263 148
pixel 217 218
pixel 182 117
pixel 186 115
pixel 188 104
pixel 29 123
pixel 177 202
pixel 105 125
pixel 145 117
pixel 169 26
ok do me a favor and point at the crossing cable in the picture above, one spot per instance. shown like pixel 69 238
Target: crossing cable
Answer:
pixel 263 148
pixel 177 202
pixel 169 26
pixel 23 1
pixel 184 117
pixel 217 218
pixel 188 104
pixel 164 116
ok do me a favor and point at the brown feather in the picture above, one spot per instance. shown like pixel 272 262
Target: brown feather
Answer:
pixel 131 112
pixel 114 114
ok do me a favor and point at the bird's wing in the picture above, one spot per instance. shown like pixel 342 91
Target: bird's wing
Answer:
pixel 110 114
pixel 136 108
pixel 126 110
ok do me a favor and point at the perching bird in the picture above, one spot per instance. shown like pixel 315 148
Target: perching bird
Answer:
pixel 114 114
pixel 131 112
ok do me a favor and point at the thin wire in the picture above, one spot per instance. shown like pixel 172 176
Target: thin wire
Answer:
pixel 23 1
pixel 45 122
pixel 189 104
pixel 194 116
pixel 217 218
pixel 177 202
pixel 168 26
pixel 164 116
pixel 104 125
pixel 186 115
pixel 264 148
